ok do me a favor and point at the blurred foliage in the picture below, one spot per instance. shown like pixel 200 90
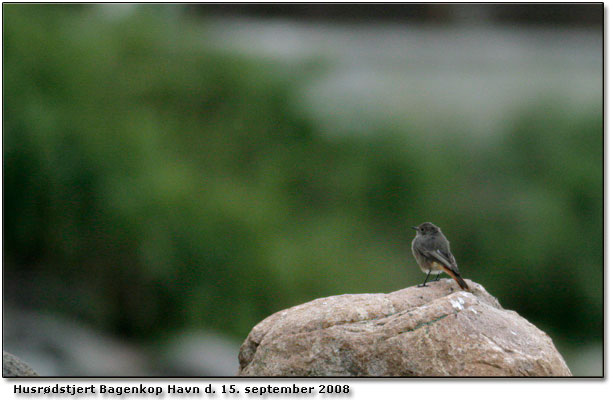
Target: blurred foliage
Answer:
pixel 152 183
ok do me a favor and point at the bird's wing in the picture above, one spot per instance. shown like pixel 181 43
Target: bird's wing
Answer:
pixel 446 259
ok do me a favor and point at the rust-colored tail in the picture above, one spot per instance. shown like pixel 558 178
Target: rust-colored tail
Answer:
pixel 457 278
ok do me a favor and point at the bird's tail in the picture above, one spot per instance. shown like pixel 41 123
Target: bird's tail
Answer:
pixel 456 276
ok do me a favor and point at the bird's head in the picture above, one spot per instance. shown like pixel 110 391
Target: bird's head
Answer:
pixel 426 228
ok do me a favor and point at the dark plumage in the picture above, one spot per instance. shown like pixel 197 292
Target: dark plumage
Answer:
pixel 433 254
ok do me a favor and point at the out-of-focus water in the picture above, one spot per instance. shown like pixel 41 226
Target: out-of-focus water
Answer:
pixel 461 78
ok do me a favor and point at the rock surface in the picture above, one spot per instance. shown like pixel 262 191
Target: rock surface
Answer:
pixel 433 331
pixel 14 367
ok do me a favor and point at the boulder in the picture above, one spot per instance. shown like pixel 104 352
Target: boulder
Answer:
pixel 14 367
pixel 436 330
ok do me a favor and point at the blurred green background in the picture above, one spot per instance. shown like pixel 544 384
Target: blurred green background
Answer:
pixel 163 174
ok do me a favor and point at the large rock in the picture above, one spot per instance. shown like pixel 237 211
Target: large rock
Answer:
pixel 14 367
pixel 433 331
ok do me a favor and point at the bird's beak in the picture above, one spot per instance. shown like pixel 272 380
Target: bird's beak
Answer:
pixel 414 227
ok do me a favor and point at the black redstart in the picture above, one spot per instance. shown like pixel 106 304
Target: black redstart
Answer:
pixel 431 250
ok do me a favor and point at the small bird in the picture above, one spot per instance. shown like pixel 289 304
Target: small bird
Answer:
pixel 431 250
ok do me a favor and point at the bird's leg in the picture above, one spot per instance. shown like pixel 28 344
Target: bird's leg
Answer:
pixel 424 284
pixel 438 276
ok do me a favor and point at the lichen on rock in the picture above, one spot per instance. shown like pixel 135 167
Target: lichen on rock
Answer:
pixel 436 330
